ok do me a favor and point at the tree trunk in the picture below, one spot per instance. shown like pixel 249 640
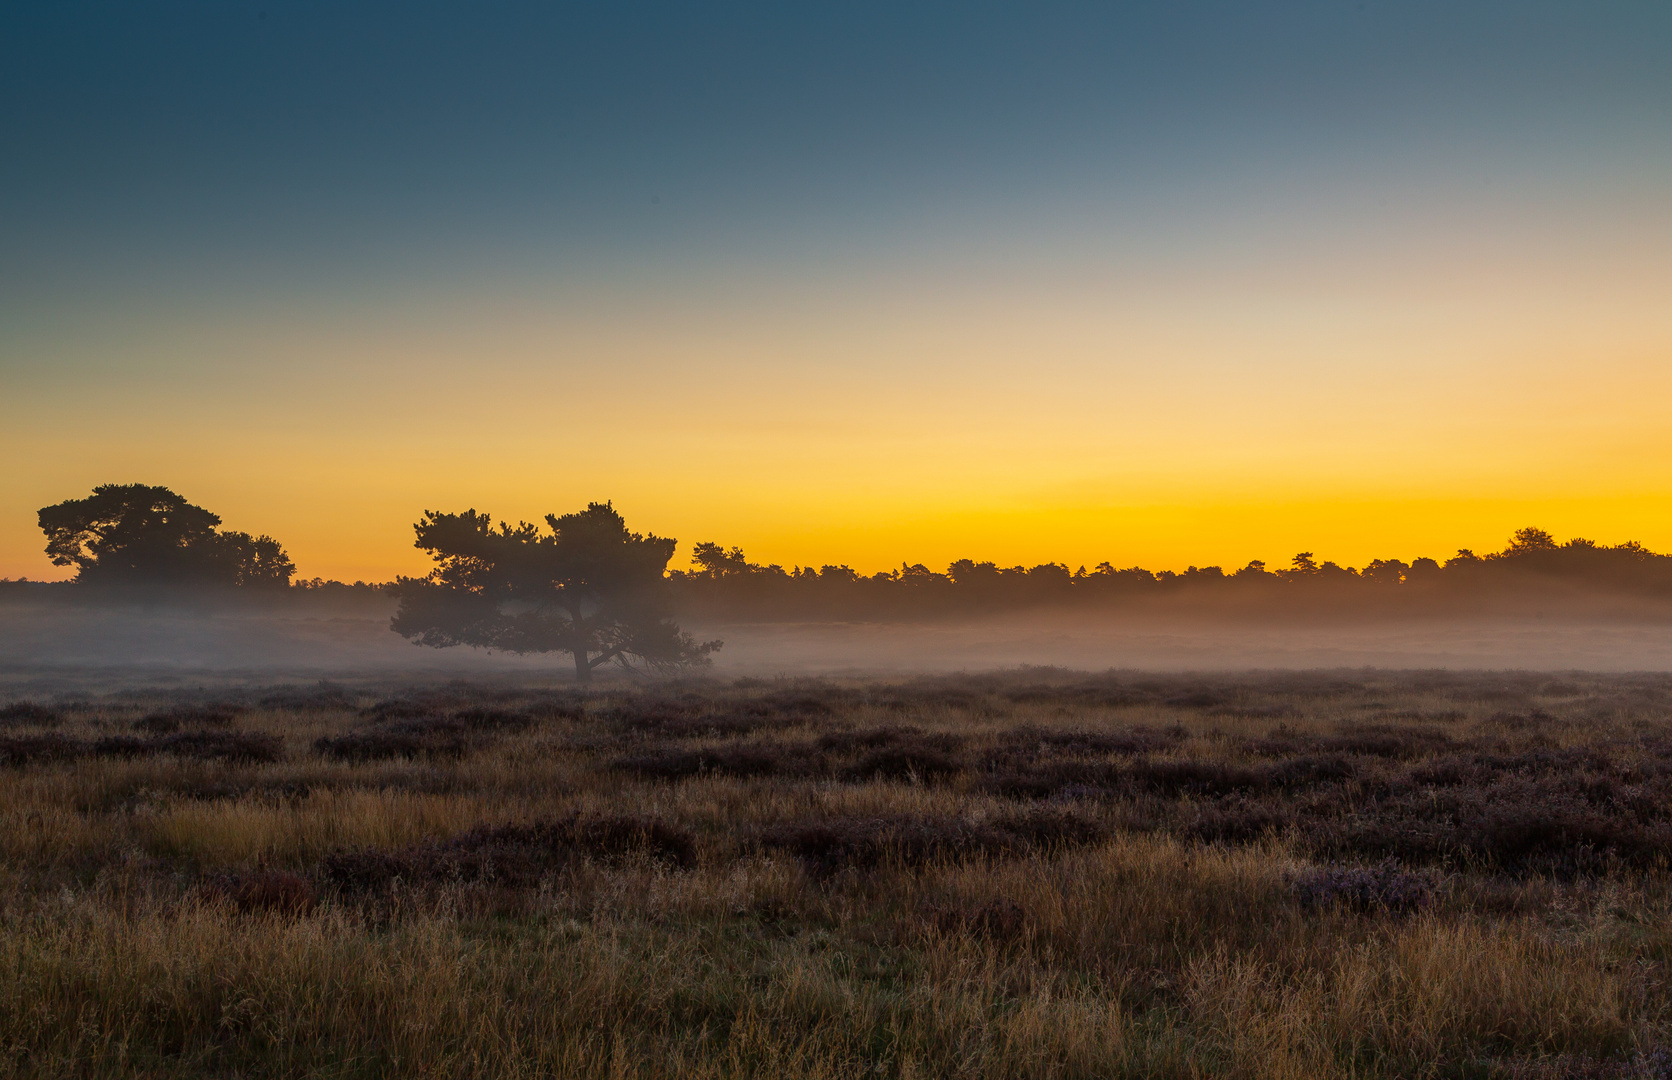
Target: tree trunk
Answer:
pixel 578 640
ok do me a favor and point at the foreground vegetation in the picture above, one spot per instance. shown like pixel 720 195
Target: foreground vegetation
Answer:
pixel 1028 875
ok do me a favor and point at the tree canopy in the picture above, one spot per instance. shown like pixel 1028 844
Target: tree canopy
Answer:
pixel 138 535
pixel 585 586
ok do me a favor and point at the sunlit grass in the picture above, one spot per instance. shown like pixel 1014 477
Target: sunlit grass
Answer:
pixel 1128 948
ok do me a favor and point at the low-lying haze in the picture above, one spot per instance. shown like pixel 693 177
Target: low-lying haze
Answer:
pixel 72 646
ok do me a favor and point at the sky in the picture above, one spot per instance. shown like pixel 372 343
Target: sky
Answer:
pixel 1160 284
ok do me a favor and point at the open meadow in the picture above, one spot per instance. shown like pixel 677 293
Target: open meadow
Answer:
pixel 1036 873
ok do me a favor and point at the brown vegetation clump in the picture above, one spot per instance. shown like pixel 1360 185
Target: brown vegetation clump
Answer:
pixel 755 759
pixel 418 737
pixel 994 920
pixel 492 720
pixel 215 716
pixel 261 892
pixel 34 749
pixel 901 754
pixel 832 844
pixel 230 746
pixel 695 717
pixel 1370 740
pixel 510 855
pixel 157 724
pixel 1383 887
pixel 28 714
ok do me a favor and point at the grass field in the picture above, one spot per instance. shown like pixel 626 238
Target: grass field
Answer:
pixel 1034 874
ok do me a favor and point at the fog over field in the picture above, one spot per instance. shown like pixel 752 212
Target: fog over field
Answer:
pixel 54 641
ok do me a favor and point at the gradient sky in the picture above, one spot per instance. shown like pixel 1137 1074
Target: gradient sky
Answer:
pixel 1160 284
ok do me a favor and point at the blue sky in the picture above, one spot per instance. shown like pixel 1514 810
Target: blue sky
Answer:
pixel 204 207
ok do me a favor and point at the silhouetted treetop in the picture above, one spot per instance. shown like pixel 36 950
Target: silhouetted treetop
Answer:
pixel 138 535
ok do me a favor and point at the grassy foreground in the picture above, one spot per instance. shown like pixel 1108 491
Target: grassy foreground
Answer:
pixel 1037 874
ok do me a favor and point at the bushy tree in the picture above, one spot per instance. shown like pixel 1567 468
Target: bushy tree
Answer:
pixel 138 535
pixel 585 586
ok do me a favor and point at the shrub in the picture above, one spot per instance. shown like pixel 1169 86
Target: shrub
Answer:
pixel 1519 823
pixel 1130 742
pixel 1049 829
pixel 261 891
pixel 402 709
pixel 693 718
pixel 121 746
pixel 538 711
pixel 1096 695
pixel 739 759
pixel 995 920
pixel 1384 887
pixel 1371 740
pixel 200 715
pixel 650 714
pixel 1196 699
pixel 849 742
pixel 492 720
pixel 430 737
pixel 1480 770
pixel 802 705
pixel 232 746
pixel 28 714
pixel 33 749
pixel 608 839
pixel 241 746
pixel 511 855
pixel 1238 819
pixel 1196 777
pixel 913 758
pixel 1256 712
pixel 324 697
pixel 1053 779
pixel 828 845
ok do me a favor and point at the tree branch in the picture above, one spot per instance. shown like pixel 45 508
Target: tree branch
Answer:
pixel 606 657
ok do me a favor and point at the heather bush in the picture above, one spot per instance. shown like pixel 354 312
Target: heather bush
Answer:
pixel 994 920
pixel 510 855
pixel 832 844
pixel 1129 742
pixel 261 891
pixel 1382 887
pixel 28 714
pixel 35 749
pixel 738 759
pixel 910 758
pixel 425 736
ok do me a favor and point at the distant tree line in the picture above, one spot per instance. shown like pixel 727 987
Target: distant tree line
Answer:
pixel 724 583
pixel 588 586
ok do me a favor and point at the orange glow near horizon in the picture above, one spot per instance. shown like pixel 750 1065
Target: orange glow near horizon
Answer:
pixel 1146 422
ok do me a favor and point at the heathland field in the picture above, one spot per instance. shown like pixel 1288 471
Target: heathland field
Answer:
pixel 1343 874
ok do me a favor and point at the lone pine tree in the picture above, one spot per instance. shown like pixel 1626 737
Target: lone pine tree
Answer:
pixel 585 586
pixel 137 535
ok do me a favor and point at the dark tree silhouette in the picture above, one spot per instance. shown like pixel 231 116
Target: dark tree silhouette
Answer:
pixel 588 587
pixel 138 535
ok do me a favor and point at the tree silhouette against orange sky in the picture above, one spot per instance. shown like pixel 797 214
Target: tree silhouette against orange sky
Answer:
pixel 586 586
